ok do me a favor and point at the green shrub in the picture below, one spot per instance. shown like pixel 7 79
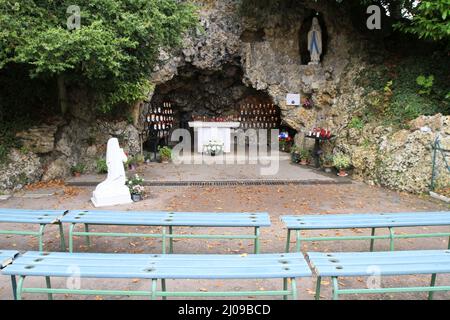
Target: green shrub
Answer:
pixel 140 159
pixel 165 153
pixel 101 167
pixel 426 83
pixel 304 154
pixel 327 160
pixel 391 89
pixel 78 168
pixel 341 161
pixel 356 123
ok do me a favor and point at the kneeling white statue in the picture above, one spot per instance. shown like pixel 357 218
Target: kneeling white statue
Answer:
pixel 113 190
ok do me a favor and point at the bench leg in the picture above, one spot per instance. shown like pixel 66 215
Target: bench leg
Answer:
pixel 288 241
pixel 14 286
pixel 170 240
pixel 86 229
pixel 19 287
pixel 163 238
pixel 154 283
pixel 71 237
pixel 61 237
pixel 391 239
pixel 298 241
pixel 372 241
pixel 318 285
pixel 433 282
pixel 163 287
pixel 335 288
pixel 294 289
pixel 285 286
pixel 41 236
pixel 49 286
pixel 256 240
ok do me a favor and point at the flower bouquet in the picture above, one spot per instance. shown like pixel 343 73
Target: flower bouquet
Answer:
pixel 136 188
pixel 213 147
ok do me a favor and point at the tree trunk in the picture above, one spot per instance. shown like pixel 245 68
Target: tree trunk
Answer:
pixel 135 111
pixel 62 94
pixel 395 9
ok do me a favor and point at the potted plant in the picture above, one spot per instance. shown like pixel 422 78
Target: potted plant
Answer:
pixel 304 156
pixel 140 159
pixel 165 154
pixel 101 166
pixel 136 188
pixel 213 147
pixel 341 162
pixel 327 163
pixel 78 169
pixel 295 154
pixel 131 163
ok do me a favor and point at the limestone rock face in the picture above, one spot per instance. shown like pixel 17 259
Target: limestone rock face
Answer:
pixel 39 139
pixel 270 57
pixel 57 169
pixel 83 142
pixel 402 159
pixel 20 169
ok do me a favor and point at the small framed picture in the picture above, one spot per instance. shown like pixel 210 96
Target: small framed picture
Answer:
pixel 293 99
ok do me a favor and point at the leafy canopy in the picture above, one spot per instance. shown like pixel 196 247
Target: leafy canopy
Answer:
pixel 426 18
pixel 430 20
pixel 113 52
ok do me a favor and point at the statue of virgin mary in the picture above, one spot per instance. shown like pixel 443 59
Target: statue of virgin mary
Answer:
pixel 113 190
pixel 315 41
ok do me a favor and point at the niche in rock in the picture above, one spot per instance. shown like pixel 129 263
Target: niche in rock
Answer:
pixel 303 37
pixel 195 93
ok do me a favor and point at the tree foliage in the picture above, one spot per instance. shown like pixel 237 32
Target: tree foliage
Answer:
pixel 430 20
pixel 425 19
pixel 113 52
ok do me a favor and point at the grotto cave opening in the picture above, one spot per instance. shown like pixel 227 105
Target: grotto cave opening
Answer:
pixel 212 95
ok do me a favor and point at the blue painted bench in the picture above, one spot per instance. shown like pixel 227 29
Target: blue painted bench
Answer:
pixel 378 264
pixel 35 217
pixel 6 258
pixel 165 220
pixel 371 221
pixel 154 267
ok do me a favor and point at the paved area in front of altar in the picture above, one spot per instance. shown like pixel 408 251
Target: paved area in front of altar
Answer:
pixel 283 170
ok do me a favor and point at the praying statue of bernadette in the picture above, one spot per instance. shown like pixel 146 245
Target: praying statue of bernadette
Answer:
pixel 113 190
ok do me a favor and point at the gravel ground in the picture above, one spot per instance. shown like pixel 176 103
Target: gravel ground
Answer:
pixel 276 200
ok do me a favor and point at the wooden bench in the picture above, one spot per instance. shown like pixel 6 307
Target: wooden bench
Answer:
pixel 365 221
pixel 6 258
pixel 35 217
pixel 154 267
pixel 165 220
pixel 378 264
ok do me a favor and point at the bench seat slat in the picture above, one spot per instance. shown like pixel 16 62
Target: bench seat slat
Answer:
pixel 169 257
pixel 164 213
pixel 160 266
pixel 386 263
pixel 168 218
pixel 343 221
pixel 6 257
pixel 30 216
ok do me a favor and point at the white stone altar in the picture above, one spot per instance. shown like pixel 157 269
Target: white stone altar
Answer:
pixel 113 190
pixel 206 131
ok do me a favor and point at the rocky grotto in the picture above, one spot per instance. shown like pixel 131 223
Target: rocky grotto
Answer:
pixel 234 59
